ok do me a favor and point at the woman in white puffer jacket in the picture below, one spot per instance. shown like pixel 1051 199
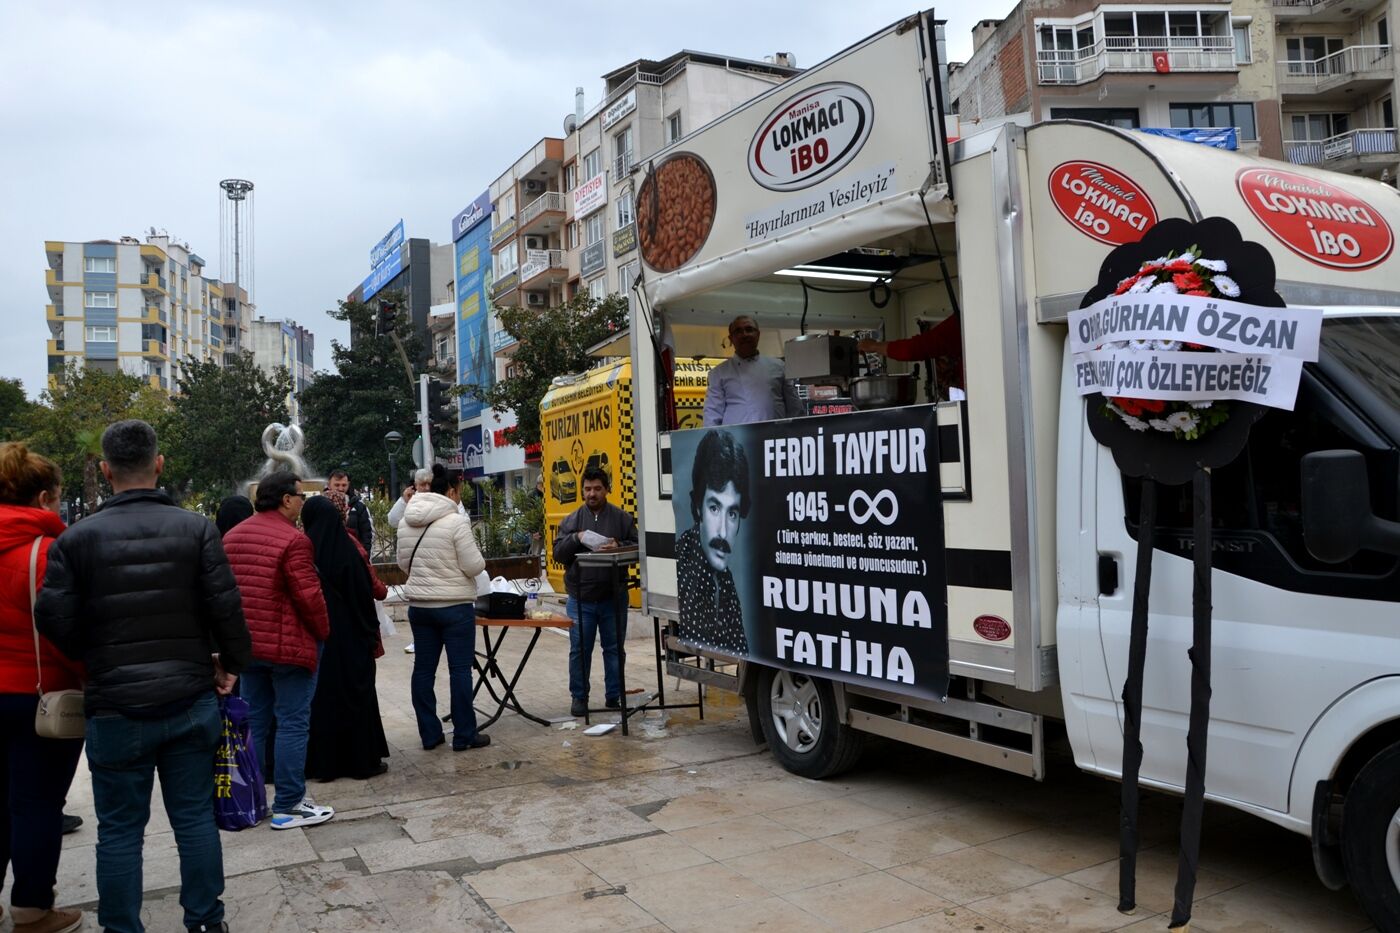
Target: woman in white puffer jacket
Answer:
pixel 439 551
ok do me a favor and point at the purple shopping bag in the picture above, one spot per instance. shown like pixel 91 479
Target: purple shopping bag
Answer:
pixel 240 799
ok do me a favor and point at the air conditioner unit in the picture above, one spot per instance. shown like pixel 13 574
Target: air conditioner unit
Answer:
pixel 536 242
pixel 532 186
pixel 536 299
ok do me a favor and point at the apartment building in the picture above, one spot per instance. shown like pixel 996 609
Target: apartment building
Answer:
pixel 289 345
pixel 415 267
pixel 141 308
pixel 1176 64
pixel 1336 79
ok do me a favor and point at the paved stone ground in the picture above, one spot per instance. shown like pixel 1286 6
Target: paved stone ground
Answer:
pixel 687 825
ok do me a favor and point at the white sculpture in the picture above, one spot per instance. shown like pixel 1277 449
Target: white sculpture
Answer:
pixel 283 445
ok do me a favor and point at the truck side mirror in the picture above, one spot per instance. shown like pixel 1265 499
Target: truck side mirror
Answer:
pixel 1337 516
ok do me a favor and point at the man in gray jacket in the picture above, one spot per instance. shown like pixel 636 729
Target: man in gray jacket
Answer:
pixel 594 526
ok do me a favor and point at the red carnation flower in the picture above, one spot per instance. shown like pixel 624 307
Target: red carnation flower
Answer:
pixel 1153 405
pixel 1126 284
pixel 1177 265
pixel 1187 281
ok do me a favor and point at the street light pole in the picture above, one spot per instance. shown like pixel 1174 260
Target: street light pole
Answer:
pixel 393 441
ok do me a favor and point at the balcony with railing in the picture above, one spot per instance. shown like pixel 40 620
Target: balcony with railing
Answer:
pixel 153 281
pixel 155 348
pixel 543 267
pixel 622 165
pixel 1345 151
pixel 544 213
pixel 1354 68
pixel 1128 54
pixel 1322 11
pixel 155 315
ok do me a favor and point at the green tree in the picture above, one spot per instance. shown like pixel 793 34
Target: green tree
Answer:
pixel 16 409
pixel 553 342
pixel 67 426
pixel 347 413
pixel 213 434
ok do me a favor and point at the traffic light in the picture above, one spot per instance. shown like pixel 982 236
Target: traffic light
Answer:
pixel 386 318
pixel 439 404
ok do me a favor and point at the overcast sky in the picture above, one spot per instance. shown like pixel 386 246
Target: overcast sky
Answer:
pixel 346 116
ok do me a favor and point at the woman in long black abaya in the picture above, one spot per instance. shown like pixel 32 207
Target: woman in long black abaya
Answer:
pixel 347 736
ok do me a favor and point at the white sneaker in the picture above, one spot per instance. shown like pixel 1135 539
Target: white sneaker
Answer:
pixel 305 813
pixel 408 648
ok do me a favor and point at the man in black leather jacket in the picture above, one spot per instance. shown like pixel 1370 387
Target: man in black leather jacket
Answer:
pixel 142 593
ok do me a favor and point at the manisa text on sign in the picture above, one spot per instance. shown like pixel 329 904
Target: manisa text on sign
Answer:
pixel 811 136
pixel 1101 202
pixel 1316 219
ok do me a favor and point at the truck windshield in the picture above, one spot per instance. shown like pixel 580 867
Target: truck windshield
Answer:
pixel 1369 348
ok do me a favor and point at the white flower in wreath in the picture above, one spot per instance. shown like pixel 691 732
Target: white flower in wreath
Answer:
pixel 1137 424
pixel 1167 288
pixel 1214 265
pixel 1117 345
pixel 1226 286
pixel 1139 345
pixel 1168 345
pixel 1202 405
pixel 1160 424
pixel 1141 285
pixel 1183 421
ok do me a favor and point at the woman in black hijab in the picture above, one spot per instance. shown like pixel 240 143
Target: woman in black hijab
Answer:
pixel 232 510
pixel 347 736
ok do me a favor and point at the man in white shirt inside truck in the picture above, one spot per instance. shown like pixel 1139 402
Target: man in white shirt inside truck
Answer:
pixel 748 386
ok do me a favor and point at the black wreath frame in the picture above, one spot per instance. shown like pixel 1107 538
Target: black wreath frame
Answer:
pixel 1155 454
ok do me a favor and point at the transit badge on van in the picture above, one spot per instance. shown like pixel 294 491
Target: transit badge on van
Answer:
pixel 1101 202
pixel 1316 219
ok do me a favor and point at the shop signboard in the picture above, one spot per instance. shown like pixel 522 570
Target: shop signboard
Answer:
pixel 475 356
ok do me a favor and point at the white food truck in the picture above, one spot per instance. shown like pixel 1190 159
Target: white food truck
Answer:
pixel 833 204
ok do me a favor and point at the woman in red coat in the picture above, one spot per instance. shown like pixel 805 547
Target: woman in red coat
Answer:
pixel 34 773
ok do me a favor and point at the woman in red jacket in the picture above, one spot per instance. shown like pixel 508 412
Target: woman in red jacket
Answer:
pixel 34 773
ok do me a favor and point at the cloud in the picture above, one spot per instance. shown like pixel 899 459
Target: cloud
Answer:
pixel 346 117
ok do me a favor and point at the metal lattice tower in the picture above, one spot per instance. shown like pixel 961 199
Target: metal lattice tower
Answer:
pixel 236 233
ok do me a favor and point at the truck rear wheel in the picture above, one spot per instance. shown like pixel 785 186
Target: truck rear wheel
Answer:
pixel 798 714
pixel 1371 838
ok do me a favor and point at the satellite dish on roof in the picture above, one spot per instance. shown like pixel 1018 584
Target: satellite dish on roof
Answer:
pixel 570 124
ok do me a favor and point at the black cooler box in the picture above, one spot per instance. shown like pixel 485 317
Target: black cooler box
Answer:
pixel 501 605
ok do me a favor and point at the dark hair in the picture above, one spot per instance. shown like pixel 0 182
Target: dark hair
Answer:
pixel 598 475
pixel 272 488
pixel 444 479
pixel 232 510
pixel 24 474
pixel 718 462
pixel 129 447
pixel 338 474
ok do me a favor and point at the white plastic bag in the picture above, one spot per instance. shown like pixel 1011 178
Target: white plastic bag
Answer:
pixel 386 622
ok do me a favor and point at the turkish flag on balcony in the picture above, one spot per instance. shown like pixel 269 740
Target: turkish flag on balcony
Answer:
pixel 1162 62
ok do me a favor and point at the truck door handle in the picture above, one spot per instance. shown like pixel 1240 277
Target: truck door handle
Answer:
pixel 1108 575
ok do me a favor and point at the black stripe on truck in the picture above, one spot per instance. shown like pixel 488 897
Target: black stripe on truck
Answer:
pixel 978 569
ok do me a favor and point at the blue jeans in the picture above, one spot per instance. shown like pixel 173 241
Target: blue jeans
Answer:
pixel 453 628
pixel 35 775
pixel 590 619
pixel 124 754
pixel 283 691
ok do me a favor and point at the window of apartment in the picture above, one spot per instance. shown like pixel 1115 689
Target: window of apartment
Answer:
pixel 99 264
pixel 592 163
pixel 622 147
pixel 571 235
pixel 673 127
pixel 442 347
pixel 1387 110
pixel 627 275
pixel 570 176
pixel 100 333
pixel 1125 118
pixel 505 262
pixel 1382 31
pixel 624 209
pixel 1244 54
pixel 1218 116
pixel 594 227
pixel 1315 127
pixel 505 208
pixel 1307 55
pixel 100 299
pixel 598 288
